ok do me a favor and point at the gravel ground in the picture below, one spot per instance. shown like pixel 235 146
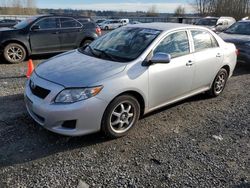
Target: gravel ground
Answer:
pixel 200 142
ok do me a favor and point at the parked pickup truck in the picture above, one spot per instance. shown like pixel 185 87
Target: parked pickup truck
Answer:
pixel 45 34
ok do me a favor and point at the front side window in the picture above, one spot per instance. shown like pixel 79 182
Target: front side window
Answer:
pixel 47 23
pixel 176 44
pixel 203 40
pixel 69 23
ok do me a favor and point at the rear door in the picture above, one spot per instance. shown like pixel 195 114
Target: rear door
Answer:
pixel 71 33
pixel 46 38
pixel 208 57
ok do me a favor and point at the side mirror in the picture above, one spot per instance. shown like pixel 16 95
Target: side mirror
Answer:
pixel 219 24
pixel 160 58
pixel 35 27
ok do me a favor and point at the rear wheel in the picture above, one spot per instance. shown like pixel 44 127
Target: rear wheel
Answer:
pixel 219 83
pixel 120 116
pixel 106 28
pixel 14 53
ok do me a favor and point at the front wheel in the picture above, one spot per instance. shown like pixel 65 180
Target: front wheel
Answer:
pixel 86 42
pixel 14 53
pixel 219 83
pixel 120 116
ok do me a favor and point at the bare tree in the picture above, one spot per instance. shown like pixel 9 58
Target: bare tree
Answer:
pixel 152 11
pixel 234 8
pixel 18 7
pixel 180 11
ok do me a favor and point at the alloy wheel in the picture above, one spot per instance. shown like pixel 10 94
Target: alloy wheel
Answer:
pixel 15 53
pixel 220 82
pixel 122 117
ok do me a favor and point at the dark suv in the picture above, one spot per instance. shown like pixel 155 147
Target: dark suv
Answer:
pixel 45 34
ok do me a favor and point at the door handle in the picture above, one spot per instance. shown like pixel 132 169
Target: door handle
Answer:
pixel 189 63
pixel 218 55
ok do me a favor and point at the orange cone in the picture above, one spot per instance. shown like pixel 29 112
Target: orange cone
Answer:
pixel 30 68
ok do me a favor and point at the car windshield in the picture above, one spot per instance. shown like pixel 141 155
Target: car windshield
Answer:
pixel 122 45
pixel 207 21
pixel 24 23
pixel 242 28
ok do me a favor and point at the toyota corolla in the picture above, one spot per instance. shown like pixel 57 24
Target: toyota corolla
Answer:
pixel 108 85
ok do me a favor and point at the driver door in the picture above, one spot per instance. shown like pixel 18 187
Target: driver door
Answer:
pixel 171 81
pixel 46 37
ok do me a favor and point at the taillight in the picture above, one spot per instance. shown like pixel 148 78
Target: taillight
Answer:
pixel 98 31
pixel 237 51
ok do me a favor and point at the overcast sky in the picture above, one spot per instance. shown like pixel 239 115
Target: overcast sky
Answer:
pixel 118 5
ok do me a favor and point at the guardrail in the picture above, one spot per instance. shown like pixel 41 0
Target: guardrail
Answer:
pixel 187 20
pixel 14 17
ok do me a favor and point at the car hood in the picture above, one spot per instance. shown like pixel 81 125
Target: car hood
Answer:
pixel 234 38
pixel 74 69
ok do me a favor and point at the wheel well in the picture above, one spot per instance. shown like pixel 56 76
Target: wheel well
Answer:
pixel 139 98
pixel 18 42
pixel 227 69
pixel 88 38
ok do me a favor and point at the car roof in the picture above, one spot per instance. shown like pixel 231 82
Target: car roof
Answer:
pixel 164 26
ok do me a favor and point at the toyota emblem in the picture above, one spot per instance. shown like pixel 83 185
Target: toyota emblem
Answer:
pixel 32 85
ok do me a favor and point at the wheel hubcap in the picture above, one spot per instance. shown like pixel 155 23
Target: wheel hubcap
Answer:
pixel 15 53
pixel 122 117
pixel 220 83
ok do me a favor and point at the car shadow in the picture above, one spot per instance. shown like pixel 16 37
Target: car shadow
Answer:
pixel 196 98
pixel 241 69
pixel 22 140
pixel 242 185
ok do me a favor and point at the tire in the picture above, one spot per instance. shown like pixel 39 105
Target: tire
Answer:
pixel 14 53
pixel 86 42
pixel 106 28
pixel 120 116
pixel 219 83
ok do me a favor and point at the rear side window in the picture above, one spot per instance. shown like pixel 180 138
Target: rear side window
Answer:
pixel 203 40
pixel 69 23
pixel 47 23
pixel 176 44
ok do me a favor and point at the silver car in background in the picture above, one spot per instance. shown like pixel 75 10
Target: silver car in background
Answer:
pixel 107 85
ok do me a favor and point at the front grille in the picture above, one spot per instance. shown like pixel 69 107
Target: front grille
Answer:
pixel 38 91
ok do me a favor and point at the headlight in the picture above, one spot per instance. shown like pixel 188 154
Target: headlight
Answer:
pixel 77 94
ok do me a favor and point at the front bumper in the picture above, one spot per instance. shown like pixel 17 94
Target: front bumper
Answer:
pixel 87 114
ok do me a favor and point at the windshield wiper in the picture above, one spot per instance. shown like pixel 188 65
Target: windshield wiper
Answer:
pixel 82 50
pixel 92 51
pixel 106 54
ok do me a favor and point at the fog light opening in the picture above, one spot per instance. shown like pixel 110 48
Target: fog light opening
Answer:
pixel 70 124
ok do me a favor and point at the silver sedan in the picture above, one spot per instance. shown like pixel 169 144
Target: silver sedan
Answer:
pixel 107 85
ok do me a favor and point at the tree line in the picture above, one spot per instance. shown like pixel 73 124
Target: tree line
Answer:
pixel 18 7
pixel 235 8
